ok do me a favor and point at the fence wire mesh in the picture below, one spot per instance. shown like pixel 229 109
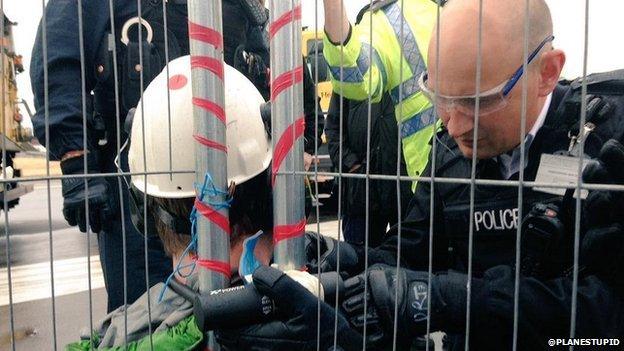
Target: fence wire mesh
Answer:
pixel 321 174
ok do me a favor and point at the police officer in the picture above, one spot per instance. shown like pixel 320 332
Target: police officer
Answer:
pixel 65 119
pixel 553 140
pixel 374 71
pixel 352 143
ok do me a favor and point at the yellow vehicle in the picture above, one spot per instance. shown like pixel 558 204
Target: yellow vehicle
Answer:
pixel 312 50
pixel 13 136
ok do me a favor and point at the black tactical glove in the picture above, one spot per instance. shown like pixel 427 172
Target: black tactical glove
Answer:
pixel 602 248
pixel 296 327
pixel 349 258
pixel 101 204
pixel 382 291
pixel 252 65
pixel 605 207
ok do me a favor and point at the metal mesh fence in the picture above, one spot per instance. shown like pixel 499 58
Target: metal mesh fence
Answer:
pixel 389 62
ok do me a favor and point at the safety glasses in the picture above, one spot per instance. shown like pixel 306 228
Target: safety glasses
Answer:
pixel 490 101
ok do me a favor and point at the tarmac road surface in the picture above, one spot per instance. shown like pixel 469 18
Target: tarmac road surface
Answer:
pixel 29 237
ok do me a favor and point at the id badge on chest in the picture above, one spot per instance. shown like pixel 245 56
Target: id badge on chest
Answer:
pixel 559 169
pixel 563 167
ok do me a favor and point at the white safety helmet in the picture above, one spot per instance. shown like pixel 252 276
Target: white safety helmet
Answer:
pixel 249 148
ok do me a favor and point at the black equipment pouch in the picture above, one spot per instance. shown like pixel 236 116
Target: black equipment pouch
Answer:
pixel 156 46
pixel 133 67
pixel 546 250
pixel 104 60
pixel 603 92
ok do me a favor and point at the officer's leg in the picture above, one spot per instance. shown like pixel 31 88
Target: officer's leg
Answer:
pixel 377 227
pixel 353 228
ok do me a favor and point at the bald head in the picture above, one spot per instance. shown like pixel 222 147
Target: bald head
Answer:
pixel 502 40
pixel 455 58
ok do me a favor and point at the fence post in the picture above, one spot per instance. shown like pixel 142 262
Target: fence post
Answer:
pixel 206 47
pixel 288 124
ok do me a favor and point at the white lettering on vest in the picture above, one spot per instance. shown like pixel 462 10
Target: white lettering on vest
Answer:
pixel 496 219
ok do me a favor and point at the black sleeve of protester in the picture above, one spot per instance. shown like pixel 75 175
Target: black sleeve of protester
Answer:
pixel 332 130
pixel 544 309
pixel 311 109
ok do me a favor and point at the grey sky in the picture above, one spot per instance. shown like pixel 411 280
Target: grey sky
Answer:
pixel 605 52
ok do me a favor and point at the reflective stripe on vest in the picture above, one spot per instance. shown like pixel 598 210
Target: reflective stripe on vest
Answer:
pixel 410 51
pixel 356 74
pixel 418 122
pixel 417 129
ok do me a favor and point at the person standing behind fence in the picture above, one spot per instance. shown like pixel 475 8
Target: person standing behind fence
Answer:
pixel 382 160
pixel 551 139
pixel 391 64
pixel 65 120
pixel 171 205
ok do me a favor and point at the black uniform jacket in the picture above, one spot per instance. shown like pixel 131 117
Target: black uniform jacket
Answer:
pixel 545 305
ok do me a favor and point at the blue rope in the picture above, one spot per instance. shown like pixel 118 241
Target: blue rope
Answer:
pixel 209 189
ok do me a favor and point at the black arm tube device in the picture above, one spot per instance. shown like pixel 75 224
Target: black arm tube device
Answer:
pixel 243 305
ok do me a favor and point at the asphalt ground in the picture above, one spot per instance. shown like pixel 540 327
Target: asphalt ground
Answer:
pixel 32 231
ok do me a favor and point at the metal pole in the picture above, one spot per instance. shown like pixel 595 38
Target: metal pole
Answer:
pixel 288 125
pixel 206 45
pixel 5 204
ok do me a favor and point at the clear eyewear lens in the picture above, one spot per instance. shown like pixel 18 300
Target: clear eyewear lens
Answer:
pixel 490 101
pixel 467 106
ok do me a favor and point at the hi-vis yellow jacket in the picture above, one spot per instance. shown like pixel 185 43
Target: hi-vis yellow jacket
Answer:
pixel 373 71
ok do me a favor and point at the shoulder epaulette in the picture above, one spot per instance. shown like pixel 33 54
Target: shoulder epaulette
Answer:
pixel 605 83
pixel 375 6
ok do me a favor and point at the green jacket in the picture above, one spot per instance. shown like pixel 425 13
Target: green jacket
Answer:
pixel 184 336
pixel 171 322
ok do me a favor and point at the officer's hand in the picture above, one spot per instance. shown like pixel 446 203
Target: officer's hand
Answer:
pixel 603 207
pixel 101 204
pixel 296 327
pixel 335 256
pixel 381 295
pixel 252 66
